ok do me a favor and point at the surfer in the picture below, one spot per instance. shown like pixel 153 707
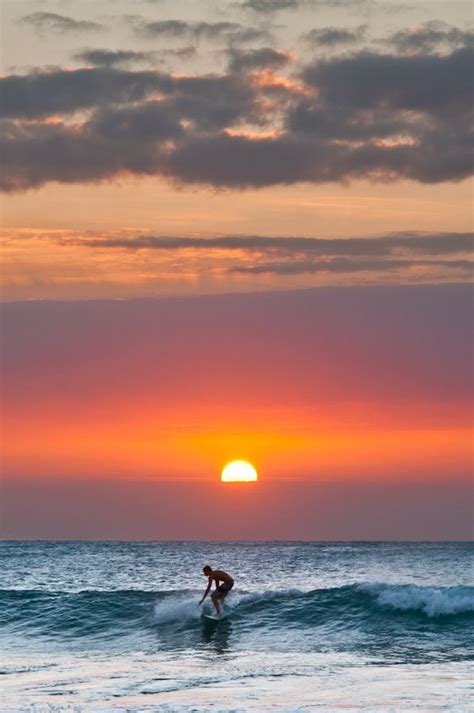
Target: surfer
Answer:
pixel 221 590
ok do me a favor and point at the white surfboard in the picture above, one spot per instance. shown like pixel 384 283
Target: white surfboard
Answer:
pixel 212 617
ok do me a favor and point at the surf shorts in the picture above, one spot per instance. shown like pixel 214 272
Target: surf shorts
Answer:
pixel 225 587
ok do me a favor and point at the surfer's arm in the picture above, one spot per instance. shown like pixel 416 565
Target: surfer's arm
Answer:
pixel 207 591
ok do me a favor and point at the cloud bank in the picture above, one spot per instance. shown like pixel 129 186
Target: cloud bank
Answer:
pixel 444 255
pixel 267 119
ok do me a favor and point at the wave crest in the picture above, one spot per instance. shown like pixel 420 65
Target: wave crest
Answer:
pixel 351 607
pixel 432 601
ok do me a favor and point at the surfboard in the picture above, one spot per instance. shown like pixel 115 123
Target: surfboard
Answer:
pixel 211 617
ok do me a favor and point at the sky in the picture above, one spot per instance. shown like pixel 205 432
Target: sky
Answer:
pixel 236 230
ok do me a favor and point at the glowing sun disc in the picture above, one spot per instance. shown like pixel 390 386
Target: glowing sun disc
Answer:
pixel 239 471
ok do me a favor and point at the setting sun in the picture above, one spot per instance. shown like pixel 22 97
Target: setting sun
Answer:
pixel 239 471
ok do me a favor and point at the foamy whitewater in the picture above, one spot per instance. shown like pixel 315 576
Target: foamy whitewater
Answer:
pixel 308 627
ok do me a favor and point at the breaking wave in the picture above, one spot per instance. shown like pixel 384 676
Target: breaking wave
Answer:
pixel 113 614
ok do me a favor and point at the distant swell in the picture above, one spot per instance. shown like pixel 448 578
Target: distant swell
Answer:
pixel 111 614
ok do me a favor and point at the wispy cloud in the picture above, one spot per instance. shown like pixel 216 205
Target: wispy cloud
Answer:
pixel 344 266
pixel 57 263
pixel 440 253
pixel 417 243
pixel 268 7
pixel 335 36
pixel 433 35
pixel 52 22
pixel 264 58
pixel 231 32
pixel 112 58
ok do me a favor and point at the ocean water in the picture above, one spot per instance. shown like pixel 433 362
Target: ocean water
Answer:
pixel 308 627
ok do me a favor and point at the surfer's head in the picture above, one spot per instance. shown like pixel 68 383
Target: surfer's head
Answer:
pixel 207 570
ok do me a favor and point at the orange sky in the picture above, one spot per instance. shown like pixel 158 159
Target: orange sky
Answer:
pixel 177 388
pixel 236 235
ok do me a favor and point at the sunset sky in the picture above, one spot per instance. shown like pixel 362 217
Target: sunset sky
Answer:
pixel 236 230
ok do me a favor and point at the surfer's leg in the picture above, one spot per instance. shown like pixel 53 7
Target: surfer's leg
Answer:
pixel 215 596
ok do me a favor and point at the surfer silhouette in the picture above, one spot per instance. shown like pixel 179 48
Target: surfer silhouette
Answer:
pixel 221 590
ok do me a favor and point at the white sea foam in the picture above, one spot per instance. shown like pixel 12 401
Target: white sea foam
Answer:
pixel 177 608
pixel 433 601
pixel 237 598
pixel 186 608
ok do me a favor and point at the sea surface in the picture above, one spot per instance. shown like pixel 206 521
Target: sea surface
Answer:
pixel 116 626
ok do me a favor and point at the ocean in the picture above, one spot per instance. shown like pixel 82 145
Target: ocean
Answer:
pixel 309 626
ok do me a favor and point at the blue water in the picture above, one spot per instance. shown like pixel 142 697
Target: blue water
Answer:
pixel 308 626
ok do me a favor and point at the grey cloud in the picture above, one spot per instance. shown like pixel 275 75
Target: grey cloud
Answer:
pixel 333 36
pixel 153 121
pixel 125 139
pixel 342 266
pixel 40 94
pixel 428 244
pixel 214 102
pixel 246 60
pixel 430 36
pixel 426 83
pixel 37 95
pixel 231 32
pixel 51 22
pixel 120 58
pixel 110 58
pixel 293 255
pixel 371 116
pixel 237 161
pixel 43 153
pixel 326 122
pixel 186 52
pixel 268 7
pixel 409 115
pixel 36 154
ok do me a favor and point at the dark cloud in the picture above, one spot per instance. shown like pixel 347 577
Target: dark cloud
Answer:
pixel 268 7
pixel 153 121
pixel 365 115
pixel 445 255
pixel 434 84
pixel 186 52
pixel 42 153
pixel 212 103
pixel 247 60
pixel 342 265
pixel 333 36
pixel 121 58
pixel 231 32
pixel 427 244
pixel 130 139
pixel 412 113
pixel 110 58
pixel 239 161
pixel 51 22
pixel 203 103
pixel 430 36
pixel 61 92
